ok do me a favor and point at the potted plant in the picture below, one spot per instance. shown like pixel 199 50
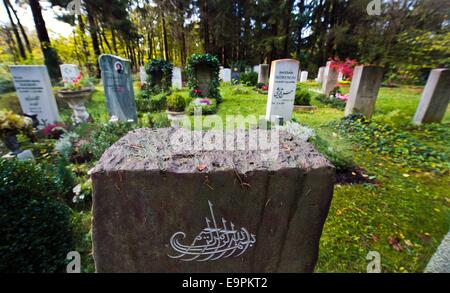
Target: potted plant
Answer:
pixel 12 124
pixel 175 107
pixel 75 93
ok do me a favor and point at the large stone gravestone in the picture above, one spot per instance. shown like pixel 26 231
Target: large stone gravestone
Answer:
pixel 118 85
pixel 304 76
pixel 204 79
pixel 143 75
pixel 330 78
pixel 177 82
pixel 263 75
pixel 435 97
pixel 163 208
pixel 35 93
pixel 69 72
pixel 282 87
pixel 364 89
pixel 320 74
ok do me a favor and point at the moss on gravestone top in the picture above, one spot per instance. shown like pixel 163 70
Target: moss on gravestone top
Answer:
pixel 154 149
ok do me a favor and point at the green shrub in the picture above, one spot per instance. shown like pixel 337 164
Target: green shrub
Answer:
pixel 148 102
pixel 6 86
pixel 176 103
pixel 107 135
pixel 240 90
pixel 158 120
pixel 249 78
pixel 35 228
pixel 303 97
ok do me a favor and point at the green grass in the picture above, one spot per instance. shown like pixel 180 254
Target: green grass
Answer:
pixel 410 206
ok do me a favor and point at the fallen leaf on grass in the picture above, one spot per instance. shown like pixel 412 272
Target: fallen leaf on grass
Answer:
pixel 409 243
pixel 393 242
pixel 375 238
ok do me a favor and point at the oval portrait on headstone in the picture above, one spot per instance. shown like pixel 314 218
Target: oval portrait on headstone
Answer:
pixel 118 66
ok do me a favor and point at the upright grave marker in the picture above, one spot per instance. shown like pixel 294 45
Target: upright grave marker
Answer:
pixel 320 74
pixel 364 90
pixel 304 76
pixel 35 93
pixel 177 82
pixel 118 85
pixel 330 78
pixel 226 75
pixel 256 69
pixel 235 76
pixel 282 87
pixel 435 97
pixel 263 75
pixel 143 75
pixel 69 72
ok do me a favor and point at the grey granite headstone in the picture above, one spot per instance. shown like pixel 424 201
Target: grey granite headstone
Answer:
pixel 161 207
pixel 69 72
pixel 330 78
pixel 235 76
pixel 364 89
pixel 263 75
pixel 118 85
pixel 35 92
pixel 435 97
pixel 204 79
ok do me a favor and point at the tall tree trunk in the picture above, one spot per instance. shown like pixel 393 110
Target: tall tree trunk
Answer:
pixel 16 32
pixel 50 55
pixel 149 46
pixel 84 44
pixel 164 31
pixel 22 30
pixel 287 23
pixel 301 24
pixel 94 37
pixel 204 19
pixel 113 36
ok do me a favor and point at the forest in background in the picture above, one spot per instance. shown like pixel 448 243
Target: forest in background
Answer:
pixel 408 38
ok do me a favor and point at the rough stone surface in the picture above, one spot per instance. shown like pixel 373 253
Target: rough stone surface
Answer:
pixel 435 97
pixel 440 262
pixel 145 191
pixel 364 90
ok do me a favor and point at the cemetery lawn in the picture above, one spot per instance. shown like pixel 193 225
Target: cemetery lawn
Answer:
pixel 403 216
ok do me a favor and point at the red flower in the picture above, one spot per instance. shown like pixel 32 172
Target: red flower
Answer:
pixel 265 88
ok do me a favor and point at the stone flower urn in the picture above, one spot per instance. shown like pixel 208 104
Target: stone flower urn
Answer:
pixel 75 100
pixel 176 117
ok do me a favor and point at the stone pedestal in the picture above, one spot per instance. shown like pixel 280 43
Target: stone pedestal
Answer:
pixel 76 100
pixel 159 207
pixel 435 97
pixel 364 89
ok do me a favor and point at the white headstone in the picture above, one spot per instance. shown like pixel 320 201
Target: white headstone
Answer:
pixel 143 75
pixel 177 82
pixel 226 75
pixel 340 76
pixel 69 72
pixel 320 74
pixel 256 69
pixel 35 93
pixel 282 86
pixel 304 76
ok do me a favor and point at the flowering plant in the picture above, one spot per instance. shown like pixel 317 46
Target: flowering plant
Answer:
pixel 265 88
pixel 341 97
pixel 12 122
pixel 345 67
pixel 202 101
pixel 80 82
